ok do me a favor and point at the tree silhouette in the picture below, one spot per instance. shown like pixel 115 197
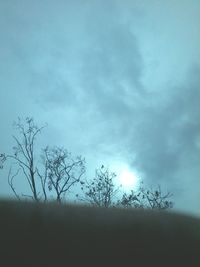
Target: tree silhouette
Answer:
pixel 101 191
pixel 147 198
pixel 58 173
pixel 24 155
pixel 61 171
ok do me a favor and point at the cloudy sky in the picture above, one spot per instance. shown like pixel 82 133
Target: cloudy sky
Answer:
pixel 116 81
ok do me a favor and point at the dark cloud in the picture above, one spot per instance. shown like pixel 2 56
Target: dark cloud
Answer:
pixel 167 133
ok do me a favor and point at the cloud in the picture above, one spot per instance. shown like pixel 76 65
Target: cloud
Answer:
pixel 93 74
pixel 115 78
pixel 167 133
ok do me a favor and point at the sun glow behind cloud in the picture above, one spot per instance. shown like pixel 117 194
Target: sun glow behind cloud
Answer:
pixel 126 177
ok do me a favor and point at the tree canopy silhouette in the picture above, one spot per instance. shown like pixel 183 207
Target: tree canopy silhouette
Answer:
pixel 54 172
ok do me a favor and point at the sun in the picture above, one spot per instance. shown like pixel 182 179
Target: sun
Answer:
pixel 128 179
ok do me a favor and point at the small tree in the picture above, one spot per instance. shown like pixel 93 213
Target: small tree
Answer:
pixel 24 155
pixel 101 190
pixel 61 171
pixel 147 198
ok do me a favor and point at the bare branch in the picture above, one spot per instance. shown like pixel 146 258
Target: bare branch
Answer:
pixel 10 182
pixel 2 160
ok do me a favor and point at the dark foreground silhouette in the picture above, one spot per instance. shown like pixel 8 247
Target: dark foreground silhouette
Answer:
pixel 58 235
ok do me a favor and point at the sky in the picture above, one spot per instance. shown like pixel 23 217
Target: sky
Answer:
pixel 116 81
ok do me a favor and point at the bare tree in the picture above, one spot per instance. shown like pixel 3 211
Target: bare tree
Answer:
pixel 101 191
pixel 24 155
pixel 156 199
pixel 147 198
pixel 62 171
